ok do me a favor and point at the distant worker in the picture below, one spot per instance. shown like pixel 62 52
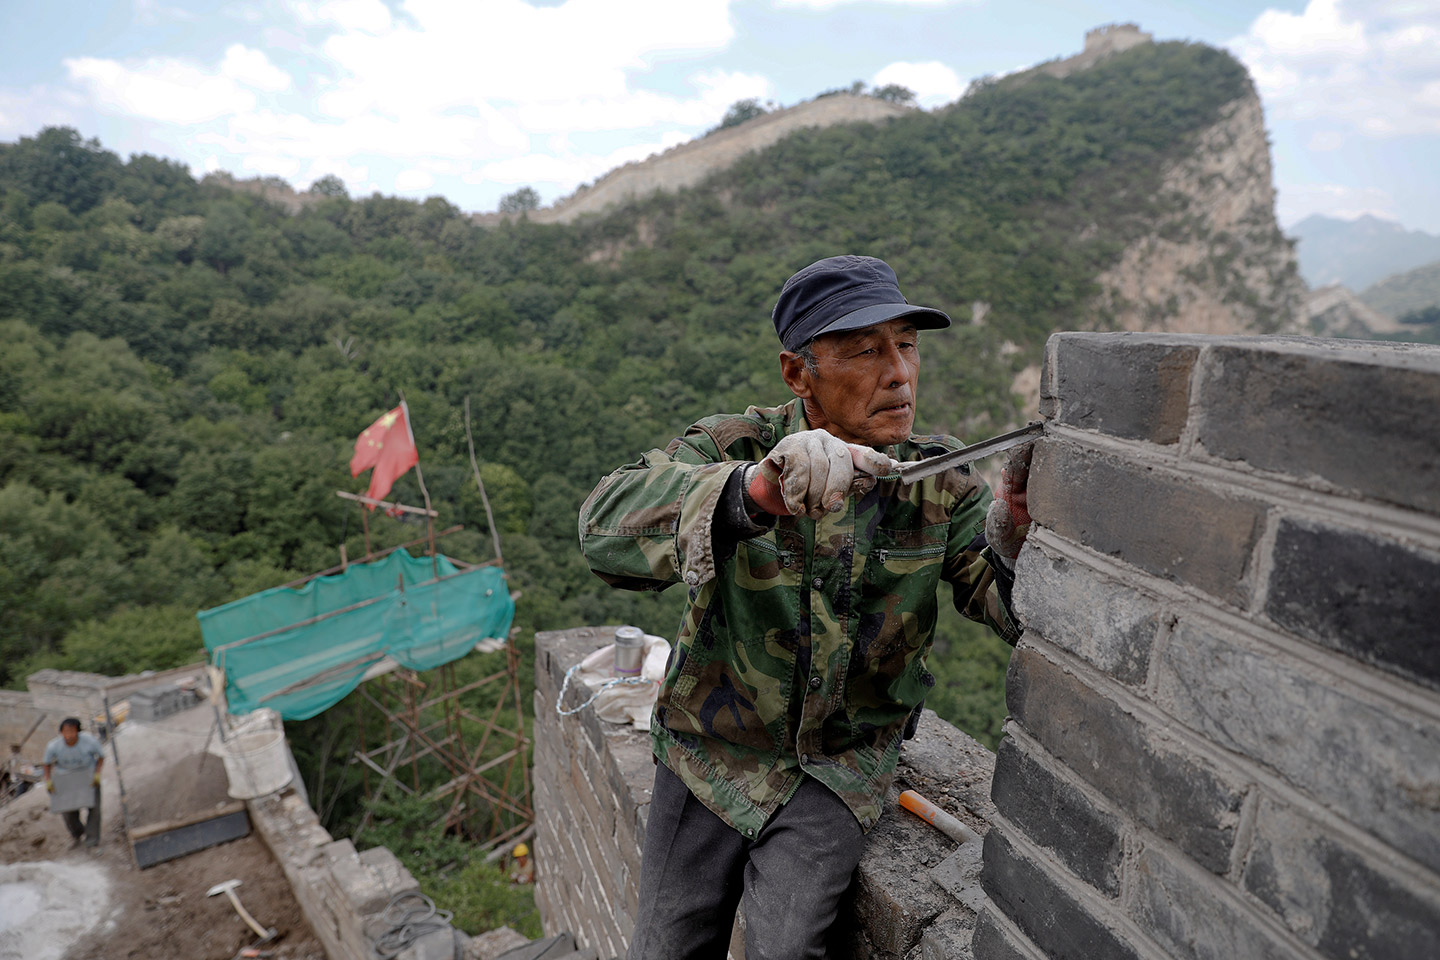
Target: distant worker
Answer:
pixel 812 571
pixel 78 757
pixel 522 868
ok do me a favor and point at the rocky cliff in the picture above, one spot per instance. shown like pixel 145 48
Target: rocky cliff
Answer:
pixel 1215 261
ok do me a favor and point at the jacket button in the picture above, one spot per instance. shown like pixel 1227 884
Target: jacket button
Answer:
pixel 804 758
pixel 817 583
pixel 815 683
pixel 691 577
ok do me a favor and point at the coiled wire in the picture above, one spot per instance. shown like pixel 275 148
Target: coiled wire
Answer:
pixel 407 917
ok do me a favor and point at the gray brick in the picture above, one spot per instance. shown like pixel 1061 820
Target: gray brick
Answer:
pixel 1368 597
pixel 1382 771
pixel 1073 606
pixel 436 945
pixel 1179 796
pixel 1056 815
pixel 1047 911
pixel 1135 386
pixel 1351 415
pixel 991 941
pixel 959 876
pixel 1185 911
pixel 1336 898
pixel 1160 521
pixel 893 898
pixel 948 936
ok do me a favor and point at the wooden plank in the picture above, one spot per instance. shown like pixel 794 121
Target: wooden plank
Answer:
pixel 150 830
pixel 190 838
pixel 386 504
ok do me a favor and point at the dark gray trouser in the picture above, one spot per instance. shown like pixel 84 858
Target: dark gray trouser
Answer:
pixel 696 868
pixel 90 828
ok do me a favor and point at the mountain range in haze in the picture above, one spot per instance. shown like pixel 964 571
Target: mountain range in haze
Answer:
pixel 1360 252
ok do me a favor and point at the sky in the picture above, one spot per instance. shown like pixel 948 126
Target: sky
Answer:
pixel 473 99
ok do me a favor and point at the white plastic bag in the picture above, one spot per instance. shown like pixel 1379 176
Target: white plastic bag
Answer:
pixel 629 701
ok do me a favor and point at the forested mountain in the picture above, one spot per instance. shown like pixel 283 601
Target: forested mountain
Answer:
pixel 186 366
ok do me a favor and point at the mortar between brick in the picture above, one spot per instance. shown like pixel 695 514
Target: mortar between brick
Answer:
pixel 1016 936
pixel 1262 562
pixel 1223 890
pixel 1237 766
pixel 1343 507
pixel 1357 678
pixel 1093 903
pixel 1244 834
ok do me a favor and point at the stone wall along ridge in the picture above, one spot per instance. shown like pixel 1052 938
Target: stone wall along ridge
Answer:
pixel 1229 681
pixel 342 893
pixel 688 163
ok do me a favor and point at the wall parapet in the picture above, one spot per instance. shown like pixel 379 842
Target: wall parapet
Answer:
pixel 342 892
pixel 1229 670
pixel 686 164
pixel 916 892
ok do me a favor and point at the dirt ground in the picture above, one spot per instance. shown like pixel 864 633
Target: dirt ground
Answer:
pixel 158 913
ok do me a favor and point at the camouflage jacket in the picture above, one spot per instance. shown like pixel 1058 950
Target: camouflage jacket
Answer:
pixel 803 647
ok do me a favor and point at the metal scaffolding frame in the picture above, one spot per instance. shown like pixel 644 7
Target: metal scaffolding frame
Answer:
pixel 488 785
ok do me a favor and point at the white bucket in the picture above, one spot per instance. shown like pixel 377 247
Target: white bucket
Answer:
pixel 256 763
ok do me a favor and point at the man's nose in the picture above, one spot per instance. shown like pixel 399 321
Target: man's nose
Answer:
pixel 893 368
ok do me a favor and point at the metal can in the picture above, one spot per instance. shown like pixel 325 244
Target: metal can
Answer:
pixel 629 651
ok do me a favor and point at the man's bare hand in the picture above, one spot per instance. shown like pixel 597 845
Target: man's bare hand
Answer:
pixel 812 472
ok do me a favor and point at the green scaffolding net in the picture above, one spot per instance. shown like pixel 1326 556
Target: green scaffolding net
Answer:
pixel 300 651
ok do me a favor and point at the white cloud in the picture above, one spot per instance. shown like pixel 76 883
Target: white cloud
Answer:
pixel 370 16
pixel 433 89
pixel 23 113
pixel 1297 201
pixel 934 83
pixel 253 69
pixel 1323 141
pixel 1359 64
pixel 414 180
pixel 170 91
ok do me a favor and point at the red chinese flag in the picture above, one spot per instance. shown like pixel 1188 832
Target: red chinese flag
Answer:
pixel 389 447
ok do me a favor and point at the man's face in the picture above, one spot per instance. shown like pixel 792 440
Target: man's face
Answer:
pixel 70 733
pixel 863 386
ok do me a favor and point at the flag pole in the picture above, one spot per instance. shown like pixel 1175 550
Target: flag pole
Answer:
pixel 420 476
pixel 489 516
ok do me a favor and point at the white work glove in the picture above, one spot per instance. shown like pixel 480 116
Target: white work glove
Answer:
pixel 812 472
pixel 1007 522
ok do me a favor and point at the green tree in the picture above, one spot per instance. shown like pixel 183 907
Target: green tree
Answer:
pixel 522 200
pixel 330 186
pixel 895 93
pixel 741 111
pixel 58 164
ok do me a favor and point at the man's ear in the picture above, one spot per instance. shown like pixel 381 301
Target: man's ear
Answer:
pixel 796 374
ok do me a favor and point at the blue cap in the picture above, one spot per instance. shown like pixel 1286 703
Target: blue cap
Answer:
pixel 844 293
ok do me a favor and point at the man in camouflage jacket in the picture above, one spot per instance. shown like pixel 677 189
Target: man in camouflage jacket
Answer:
pixel 812 575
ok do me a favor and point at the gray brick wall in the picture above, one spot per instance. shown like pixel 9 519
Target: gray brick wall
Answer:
pixel 1225 712
pixel 342 893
